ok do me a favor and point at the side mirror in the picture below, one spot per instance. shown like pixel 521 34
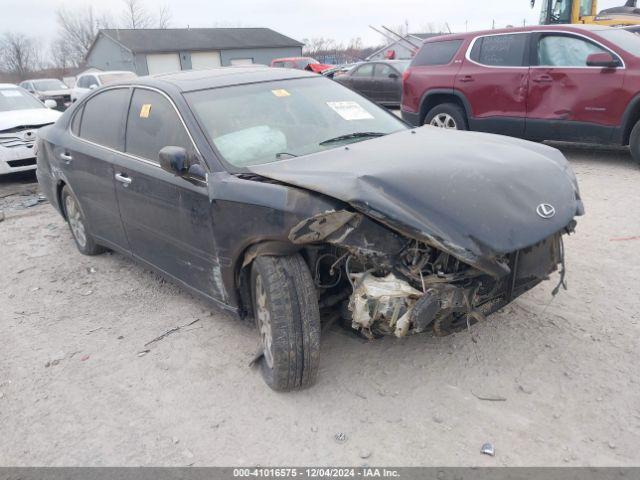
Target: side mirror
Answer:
pixel 174 160
pixel 602 59
pixel 393 76
pixel 93 86
pixel 50 103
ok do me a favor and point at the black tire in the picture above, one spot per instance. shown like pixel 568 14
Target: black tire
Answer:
pixel 77 224
pixel 634 143
pixel 283 288
pixel 449 111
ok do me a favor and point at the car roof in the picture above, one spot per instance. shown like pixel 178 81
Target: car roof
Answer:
pixel 192 80
pixel 37 79
pixel 577 28
pixel 289 59
pixel 102 72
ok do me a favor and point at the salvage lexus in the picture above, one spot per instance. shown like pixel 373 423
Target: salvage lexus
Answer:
pixel 278 194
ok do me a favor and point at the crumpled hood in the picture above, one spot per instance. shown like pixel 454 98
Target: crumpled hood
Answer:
pixel 473 194
pixel 30 117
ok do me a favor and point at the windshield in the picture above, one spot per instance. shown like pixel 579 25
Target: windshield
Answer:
pixel 109 78
pixel 630 42
pixel 44 85
pixel 265 122
pixel 555 11
pixel 17 99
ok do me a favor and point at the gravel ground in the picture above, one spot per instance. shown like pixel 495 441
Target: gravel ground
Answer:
pixel 546 382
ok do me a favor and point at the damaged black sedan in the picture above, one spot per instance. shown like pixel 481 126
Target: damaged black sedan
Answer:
pixel 279 195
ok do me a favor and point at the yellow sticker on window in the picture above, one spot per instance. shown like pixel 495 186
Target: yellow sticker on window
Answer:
pixel 281 92
pixel 145 110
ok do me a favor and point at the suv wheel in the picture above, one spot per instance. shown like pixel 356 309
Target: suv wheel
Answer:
pixel 634 142
pixel 446 115
pixel 77 224
pixel 286 310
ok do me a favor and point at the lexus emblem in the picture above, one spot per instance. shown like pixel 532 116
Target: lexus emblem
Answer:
pixel 545 210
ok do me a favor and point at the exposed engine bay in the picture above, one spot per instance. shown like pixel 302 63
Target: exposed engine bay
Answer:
pixel 387 284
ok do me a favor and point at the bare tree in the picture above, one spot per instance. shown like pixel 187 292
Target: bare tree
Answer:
pixel 135 15
pixel 164 16
pixel 19 54
pixel 77 31
pixel 60 55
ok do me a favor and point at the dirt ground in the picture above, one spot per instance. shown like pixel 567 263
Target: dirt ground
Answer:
pixel 546 382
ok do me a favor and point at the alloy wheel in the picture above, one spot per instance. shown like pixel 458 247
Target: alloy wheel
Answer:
pixel 75 221
pixel 264 321
pixel 444 120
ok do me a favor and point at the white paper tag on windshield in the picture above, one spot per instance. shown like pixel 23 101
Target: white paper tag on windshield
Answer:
pixel 11 93
pixel 350 110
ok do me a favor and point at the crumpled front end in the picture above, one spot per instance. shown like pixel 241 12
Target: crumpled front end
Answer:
pixel 390 284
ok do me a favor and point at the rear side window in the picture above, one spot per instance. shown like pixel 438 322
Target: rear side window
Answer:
pixel 436 53
pixel 103 117
pixel 152 125
pixel 500 50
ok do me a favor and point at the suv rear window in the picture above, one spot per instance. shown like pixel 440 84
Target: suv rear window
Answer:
pixel 500 50
pixel 436 53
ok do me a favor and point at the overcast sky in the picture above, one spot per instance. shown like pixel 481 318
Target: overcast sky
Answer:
pixel 339 19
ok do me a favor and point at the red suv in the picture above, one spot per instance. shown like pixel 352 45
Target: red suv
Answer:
pixel 564 82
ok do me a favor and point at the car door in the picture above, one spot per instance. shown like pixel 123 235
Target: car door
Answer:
pixel 360 79
pixel 387 86
pixel 494 79
pixel 166 217
pixel 97 134
pixel 569 100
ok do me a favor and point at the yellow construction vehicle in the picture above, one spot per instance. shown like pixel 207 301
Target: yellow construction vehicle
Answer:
pixel 586 11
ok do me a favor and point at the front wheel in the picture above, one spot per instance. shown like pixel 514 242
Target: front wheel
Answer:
pixel 287 316
pixel 77 224
pixel 634 143
pixel 446 115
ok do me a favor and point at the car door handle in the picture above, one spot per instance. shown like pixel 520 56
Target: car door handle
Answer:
pixel 66 157
pixel 543 79
pixel 466 79
pixel 123 178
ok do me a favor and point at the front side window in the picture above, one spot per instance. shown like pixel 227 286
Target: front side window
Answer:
pixel 565 51
pixel 102 120
pixel 152 125
pixel 500 50
pixel 383 70
pixel 17 99
pixel 265 122
pixel 436 53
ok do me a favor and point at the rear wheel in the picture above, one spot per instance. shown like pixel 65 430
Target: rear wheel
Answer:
pixel 287 316
pixel 77 224
pixel 446 115
pixel 634 143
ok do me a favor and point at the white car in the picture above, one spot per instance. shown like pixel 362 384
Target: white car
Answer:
pixel 21 115
pixel 49 89
pixel 85 82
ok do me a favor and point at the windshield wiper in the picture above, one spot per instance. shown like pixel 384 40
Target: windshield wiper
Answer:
pixel 354 136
